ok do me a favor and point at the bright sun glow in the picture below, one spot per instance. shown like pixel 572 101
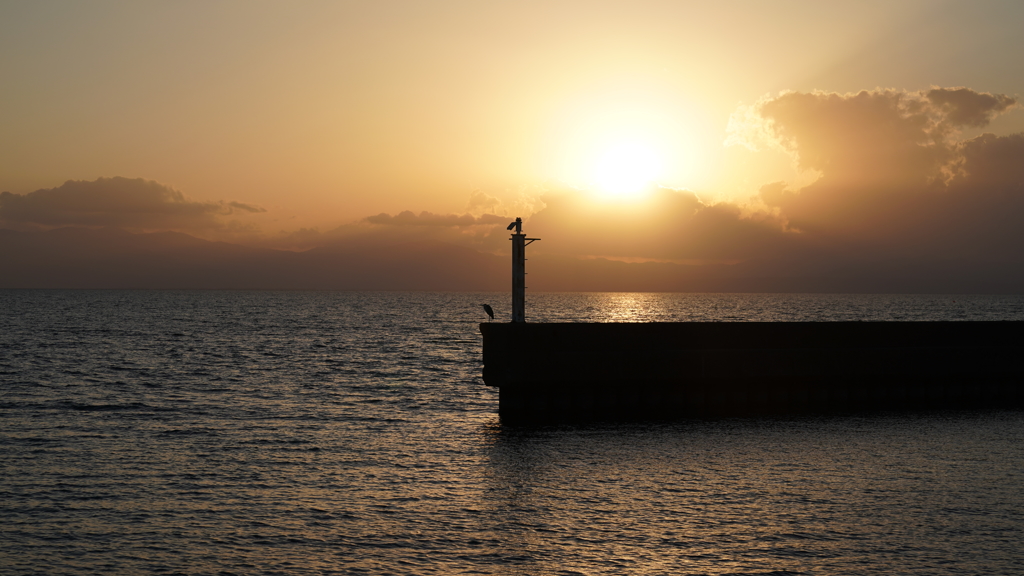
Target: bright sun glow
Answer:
pixel 624 169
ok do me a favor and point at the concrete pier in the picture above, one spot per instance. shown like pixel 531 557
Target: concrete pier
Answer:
pixel 572 372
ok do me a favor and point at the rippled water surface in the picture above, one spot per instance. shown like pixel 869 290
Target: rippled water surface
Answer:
pixel 345 433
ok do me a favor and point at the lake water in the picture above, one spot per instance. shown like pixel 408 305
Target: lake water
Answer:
pixel 346 433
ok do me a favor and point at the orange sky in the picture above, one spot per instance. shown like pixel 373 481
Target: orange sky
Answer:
pixel 249 121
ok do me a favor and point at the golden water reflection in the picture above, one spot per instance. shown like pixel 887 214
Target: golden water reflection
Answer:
pixel 699 307
pixel 743 496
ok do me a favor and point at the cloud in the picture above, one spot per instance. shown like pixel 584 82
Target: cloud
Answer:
pixel 465 230
pixel 482 202
pixel 991 163
pixel 965 107
pixel 476 229
pixel 522 204
pixel 898 192
pixel 894 185
pixel 901 199
pixel 670 225
pixel 134 204
pixel 244 207
pixel 893 178
pixel 408 218
pixel 881 134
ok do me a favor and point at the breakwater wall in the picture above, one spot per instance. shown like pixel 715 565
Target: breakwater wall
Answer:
pixel 588 371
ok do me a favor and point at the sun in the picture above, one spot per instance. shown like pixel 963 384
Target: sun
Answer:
pixel 626 168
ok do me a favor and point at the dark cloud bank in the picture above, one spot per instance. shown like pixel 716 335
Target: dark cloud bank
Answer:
pixel 112 258
pixel 134 204
pixel 901 204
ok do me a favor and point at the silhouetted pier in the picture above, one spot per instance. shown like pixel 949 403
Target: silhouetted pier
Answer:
pixel 587 371
pixel 566 372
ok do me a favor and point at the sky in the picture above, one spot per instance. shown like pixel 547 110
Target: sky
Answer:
pixel 682 132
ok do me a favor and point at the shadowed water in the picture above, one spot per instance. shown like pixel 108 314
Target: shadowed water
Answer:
pixel 341 433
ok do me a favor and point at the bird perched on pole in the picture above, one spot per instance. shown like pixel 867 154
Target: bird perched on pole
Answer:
pixel 489 310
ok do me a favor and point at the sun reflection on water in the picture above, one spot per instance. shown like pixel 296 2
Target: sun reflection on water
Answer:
pixel 698 307
pixel 630 307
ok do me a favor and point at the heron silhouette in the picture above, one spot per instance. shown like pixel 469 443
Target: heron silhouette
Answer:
pixel 489 310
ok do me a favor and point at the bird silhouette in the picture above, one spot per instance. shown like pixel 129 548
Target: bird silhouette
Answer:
pixel 489 310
